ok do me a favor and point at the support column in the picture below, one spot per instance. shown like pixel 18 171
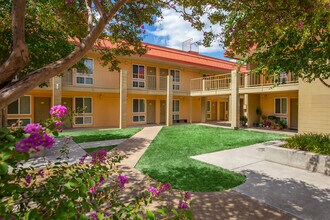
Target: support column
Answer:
pixel 157 111
pixel 191 109
pixel 57 90
pixel 203 109
pixel 234 100
pixel 169 100
pixel 123 99
pixel 157 78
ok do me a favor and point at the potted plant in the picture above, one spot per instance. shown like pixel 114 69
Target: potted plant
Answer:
pixel 243 120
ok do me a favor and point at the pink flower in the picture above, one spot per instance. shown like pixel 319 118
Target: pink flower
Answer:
pixel 142 26
pixel 300 24
pixel 82 159
pixel 99 157
pixel 122 180
pixel 58 111
pixel 153 190
pixel 28 180
pixel 92 190
pixel 165 187
pixel 41 173
pixel 187 196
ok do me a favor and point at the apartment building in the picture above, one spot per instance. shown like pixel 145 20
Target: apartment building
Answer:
pixel 167 86
pixel 152 89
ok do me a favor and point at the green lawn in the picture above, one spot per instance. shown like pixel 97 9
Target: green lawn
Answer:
pixel 92 149
pixel 167 158
pixel 100 135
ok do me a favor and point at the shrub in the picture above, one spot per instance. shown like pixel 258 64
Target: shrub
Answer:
pixel 312 142
pixel 90 189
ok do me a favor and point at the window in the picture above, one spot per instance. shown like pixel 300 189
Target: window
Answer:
pixel 21 106
pixel 139 110
pixel 176 79
pixel 139 105
pixel 176 109
pixel 208 115
pixel 138 76
pixel 23 121
pixel 83 106
pixel 284 119
pixel 281 105
pixel 85 66
pixel 85 71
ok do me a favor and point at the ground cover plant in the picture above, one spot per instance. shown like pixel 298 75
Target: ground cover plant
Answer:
pixel 168 157
pixel 312 142
pixel 100 135
pixel 93 149
pixel 92 188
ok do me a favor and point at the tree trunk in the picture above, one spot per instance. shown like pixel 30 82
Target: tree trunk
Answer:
pixel 3 118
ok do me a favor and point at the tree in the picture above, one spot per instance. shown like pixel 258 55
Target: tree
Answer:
pixel 275 35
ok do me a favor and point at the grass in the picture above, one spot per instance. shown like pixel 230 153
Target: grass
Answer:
pixel 91 150
pixel 167 159
pixel 100 135
pixel 312 142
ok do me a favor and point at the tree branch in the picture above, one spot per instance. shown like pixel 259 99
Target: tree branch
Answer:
pixel 89 14
pixel 19 56
pixel 324 83
pixel 99 7
pixel 13 91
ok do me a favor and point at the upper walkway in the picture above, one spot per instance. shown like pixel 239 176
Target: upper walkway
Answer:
pixel 247 83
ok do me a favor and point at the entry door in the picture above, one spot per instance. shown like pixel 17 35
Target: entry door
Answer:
pixel 151 76
pixel 222 111
pixel 151 112
pixel 214 111
pixel 294 113
pixel 67 102
pixel 162 111
pixel 41 109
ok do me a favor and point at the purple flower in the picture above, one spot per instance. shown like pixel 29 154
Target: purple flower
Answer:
pixel 122 180
pixel 101 179
pixel 142 26
pixel 94 216
pixel 58 111
pixel 82 159
pixel 92 190
pixel 48 141
pixel 28 180
pixel 187 196
pixel 34 129
pixel 153 190
pixel 41 173
pixel 183 205
pixel 99 157
pixel 165 187
pixel 300 24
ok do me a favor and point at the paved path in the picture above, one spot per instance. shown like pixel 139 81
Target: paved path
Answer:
pixel 207 206
pixel 101 143
pixel 300 192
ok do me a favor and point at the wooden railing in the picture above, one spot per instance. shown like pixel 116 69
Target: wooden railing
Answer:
pixel 255 80
pixel 217 82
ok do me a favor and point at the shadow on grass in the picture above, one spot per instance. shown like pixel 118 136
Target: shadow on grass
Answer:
pixel 201 178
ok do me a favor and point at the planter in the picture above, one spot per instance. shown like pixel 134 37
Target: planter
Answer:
pixel 40 153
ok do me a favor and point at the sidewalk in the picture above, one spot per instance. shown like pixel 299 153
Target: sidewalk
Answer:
pixel 206 205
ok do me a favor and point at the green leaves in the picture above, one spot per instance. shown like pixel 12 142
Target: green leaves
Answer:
pixel 3 168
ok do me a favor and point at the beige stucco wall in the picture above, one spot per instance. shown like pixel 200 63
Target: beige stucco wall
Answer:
pixel 314 107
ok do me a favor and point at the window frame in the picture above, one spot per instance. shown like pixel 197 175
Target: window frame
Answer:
pixel 176 84
pixel 85 75
pixel 176 113
pixel 83 97
pixel 20 118
pixel 83 116
pixel 19 106
pixel 281 107
pixel 139 80
pixel 139 114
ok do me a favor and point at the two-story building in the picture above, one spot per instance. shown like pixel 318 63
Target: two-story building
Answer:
pixel 152 89
pixel 167 86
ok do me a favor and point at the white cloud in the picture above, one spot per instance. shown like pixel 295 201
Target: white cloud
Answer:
pixel 172 30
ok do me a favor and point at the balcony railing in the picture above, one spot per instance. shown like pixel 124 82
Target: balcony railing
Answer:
pixel 255 80
pixel 151 82
pixel 217 82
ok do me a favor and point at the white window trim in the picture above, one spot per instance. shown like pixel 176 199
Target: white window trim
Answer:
pixel 20 118
pixel 176 83
pixel 287 119
pixel 174 112
pixel 19 106
pixel 139 113
pixel 138 80
pixel 74 104
pixel 280 105
pixel 83 116
pixel 85 75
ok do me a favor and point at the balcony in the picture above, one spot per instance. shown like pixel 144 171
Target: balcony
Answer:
pixel 151 84
pixel 247 82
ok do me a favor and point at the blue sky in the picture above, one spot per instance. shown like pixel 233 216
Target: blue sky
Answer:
pixel 172 30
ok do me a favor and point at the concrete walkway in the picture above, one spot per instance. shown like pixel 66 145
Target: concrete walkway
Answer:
pixel 211 205
pixel 101 143
pixel 300 192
